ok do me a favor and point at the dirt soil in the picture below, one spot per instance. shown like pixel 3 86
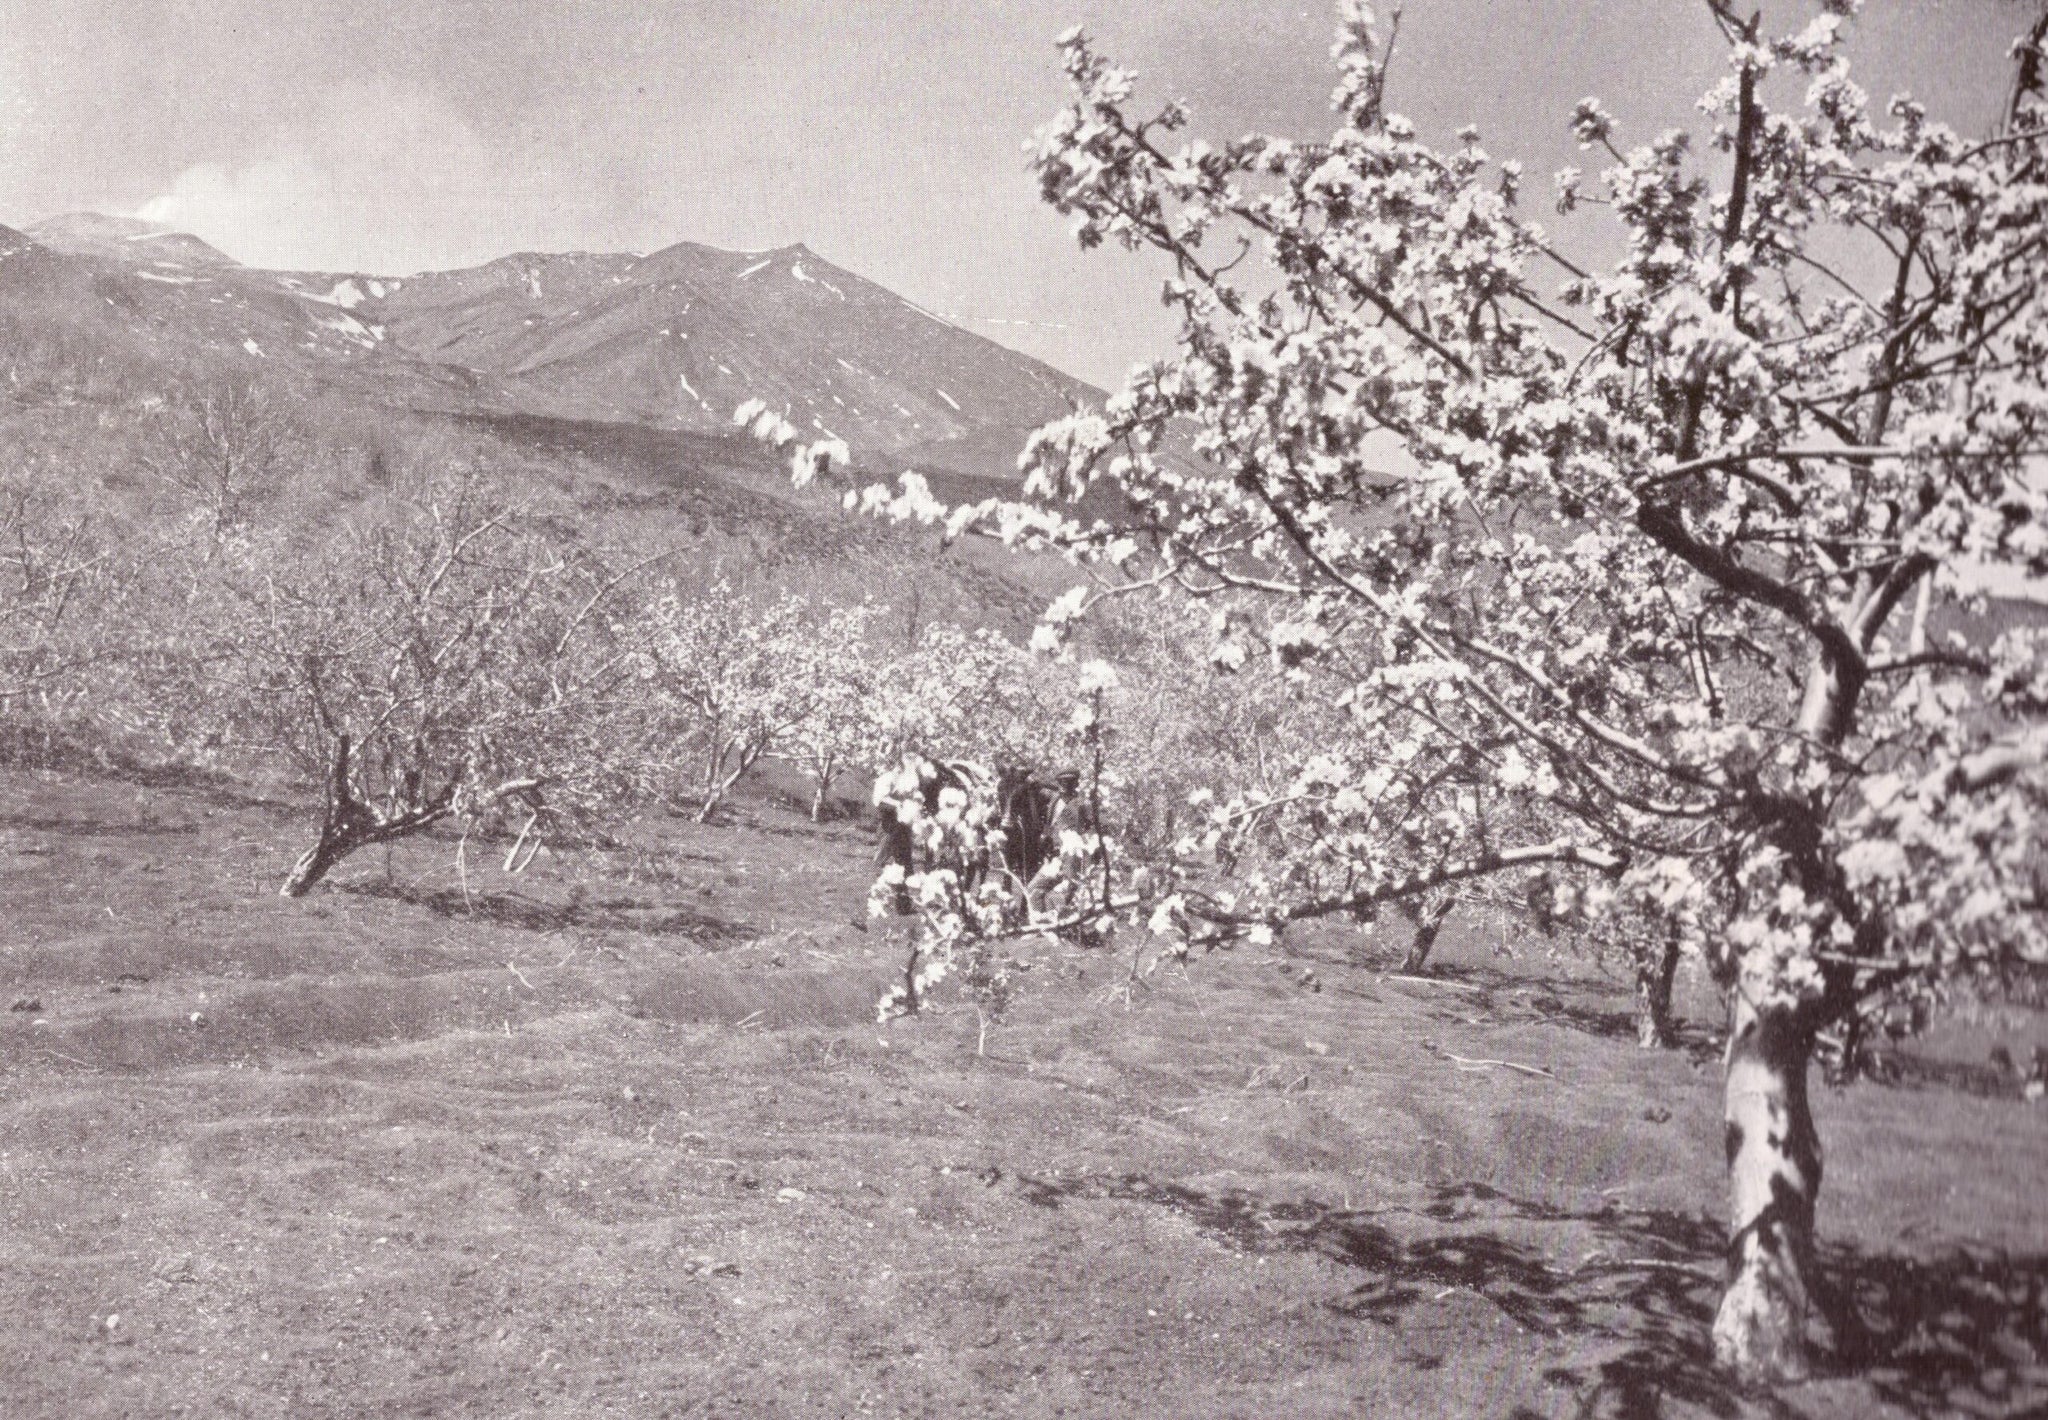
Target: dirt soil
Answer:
pixel 620 1137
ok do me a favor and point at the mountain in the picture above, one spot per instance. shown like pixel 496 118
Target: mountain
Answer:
pixel 672 340
pixel 124 239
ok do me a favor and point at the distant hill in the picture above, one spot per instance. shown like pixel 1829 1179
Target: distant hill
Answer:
pixel 124 239
pixel 673 340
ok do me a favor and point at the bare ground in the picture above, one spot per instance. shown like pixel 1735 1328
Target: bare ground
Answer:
pixel 578 1145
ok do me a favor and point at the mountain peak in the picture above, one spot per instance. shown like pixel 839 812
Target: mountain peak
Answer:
pixel 124 239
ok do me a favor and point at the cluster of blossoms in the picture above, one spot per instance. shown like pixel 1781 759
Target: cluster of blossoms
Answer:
pixel 966 880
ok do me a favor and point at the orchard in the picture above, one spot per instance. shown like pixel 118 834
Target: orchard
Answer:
pixel 1663 588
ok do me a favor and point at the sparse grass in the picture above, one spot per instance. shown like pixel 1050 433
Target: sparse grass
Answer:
pixel 382 1152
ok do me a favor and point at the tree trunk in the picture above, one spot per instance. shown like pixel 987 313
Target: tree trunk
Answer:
pixel 1655 968
pixel 348 824
pixel 315 863
pixel 1774 1169
pixel 1429 920
pixel 721 783
pixel 340 828
pixel 826 774
pixel 715 782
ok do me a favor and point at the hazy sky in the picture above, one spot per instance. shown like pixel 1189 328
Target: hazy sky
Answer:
pixel 400 135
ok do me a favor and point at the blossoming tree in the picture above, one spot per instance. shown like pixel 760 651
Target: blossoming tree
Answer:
pixel 731 676
pixel 834 660
pixel 1664 583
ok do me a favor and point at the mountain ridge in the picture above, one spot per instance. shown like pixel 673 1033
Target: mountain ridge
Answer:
pixel 670 339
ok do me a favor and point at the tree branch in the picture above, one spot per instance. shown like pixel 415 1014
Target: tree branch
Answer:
pixel 1481 866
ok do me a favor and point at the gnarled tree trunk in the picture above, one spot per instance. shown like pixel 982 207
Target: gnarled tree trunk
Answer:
pixel 315 863
pixel 348 824
pixel 1656 965
pixel 1774 1169
pixel 741 756
pixel 1429 920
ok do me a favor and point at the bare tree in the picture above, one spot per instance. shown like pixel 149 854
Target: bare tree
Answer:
pixel 55 570
pixel 436 658
pixel 227 452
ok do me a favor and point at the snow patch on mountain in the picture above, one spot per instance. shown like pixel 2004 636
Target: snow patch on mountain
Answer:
pixel 797 270
pixel 950 400
pixel 757 266
pixel 352 328
pixel 344 293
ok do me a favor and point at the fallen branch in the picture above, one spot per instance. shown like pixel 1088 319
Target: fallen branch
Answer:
pixel 512 859
pixel 1430 981
pixel 1649 1264
pixel 1464 1063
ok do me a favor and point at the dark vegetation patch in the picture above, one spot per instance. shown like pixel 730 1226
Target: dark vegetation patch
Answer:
pixel 527 914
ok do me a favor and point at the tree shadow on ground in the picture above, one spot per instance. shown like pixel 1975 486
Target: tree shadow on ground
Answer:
pixel 1947 1332
pixel 798 827
pixel 1955 1330
pixel 1909 1070
pixel 506 909
pixel 93 760
pixel 1507 998
pixel 95 828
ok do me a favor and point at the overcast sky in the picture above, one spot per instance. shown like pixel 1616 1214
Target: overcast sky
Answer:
pixel 399 135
